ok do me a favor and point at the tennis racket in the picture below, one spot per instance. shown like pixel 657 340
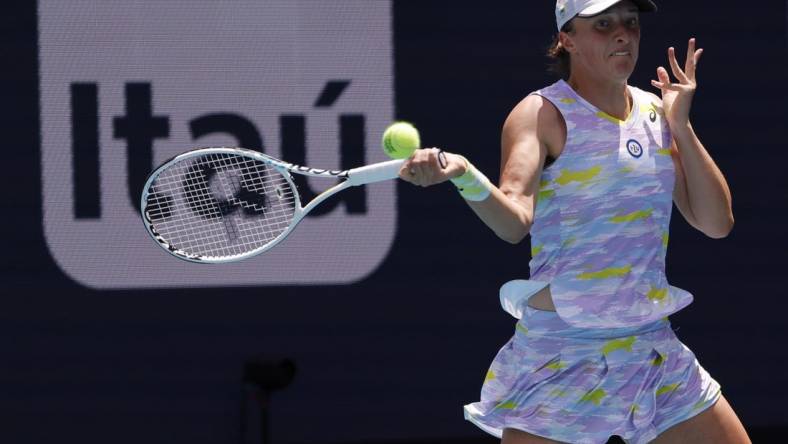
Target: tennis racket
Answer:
pixel 213 205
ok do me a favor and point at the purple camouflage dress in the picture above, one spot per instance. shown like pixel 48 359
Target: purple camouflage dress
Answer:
pixel 607 362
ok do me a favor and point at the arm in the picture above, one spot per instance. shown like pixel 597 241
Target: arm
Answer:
pixel 701 193
pixel 509 210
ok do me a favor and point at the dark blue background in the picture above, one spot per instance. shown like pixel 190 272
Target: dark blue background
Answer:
pixel 413 341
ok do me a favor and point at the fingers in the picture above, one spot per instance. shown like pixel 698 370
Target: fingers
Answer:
pixel 674 66
pixel 664 80
pixel 424 168
pixel 689 64
pixel 667 86
pixel 685 77
pixel 693 56
pixel 696 58
pixel 662 75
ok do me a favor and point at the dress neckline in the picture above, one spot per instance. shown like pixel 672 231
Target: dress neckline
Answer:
pixel 628 123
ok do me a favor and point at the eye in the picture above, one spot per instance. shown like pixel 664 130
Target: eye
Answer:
pixel 602 23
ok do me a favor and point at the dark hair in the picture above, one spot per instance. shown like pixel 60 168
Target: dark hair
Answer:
pixel 558 55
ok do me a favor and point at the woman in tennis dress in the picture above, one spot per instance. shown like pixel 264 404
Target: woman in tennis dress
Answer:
pixel 591 168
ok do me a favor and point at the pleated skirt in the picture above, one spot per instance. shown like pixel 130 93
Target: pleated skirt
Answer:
pixel 582 386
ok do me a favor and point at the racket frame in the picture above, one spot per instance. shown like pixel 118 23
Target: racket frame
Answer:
pixel 352 177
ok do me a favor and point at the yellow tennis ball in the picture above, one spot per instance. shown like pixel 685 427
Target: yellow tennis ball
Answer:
pixel 400 140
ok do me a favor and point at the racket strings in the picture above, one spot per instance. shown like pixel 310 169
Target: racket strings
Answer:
pixel 232 229
pixel 220 205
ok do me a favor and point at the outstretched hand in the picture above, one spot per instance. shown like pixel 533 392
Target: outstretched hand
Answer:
pixel 677 96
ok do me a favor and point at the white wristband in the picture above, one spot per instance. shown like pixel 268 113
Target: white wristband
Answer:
pixel 473 185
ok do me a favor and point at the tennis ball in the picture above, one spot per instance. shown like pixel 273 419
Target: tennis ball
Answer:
pixel 400 140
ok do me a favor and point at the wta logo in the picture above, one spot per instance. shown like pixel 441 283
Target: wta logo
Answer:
pixel 292 79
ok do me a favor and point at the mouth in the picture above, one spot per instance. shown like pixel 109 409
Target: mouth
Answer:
pixel 621 54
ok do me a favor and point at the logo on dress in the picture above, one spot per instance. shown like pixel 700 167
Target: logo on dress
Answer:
pixel 634 148
pixel 652 115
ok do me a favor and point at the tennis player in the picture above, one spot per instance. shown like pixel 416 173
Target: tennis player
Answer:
pixel 591 168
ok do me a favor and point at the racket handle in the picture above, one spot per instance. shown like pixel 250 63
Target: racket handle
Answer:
pixel 377 172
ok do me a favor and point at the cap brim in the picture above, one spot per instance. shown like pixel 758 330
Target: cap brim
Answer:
pixel 643 6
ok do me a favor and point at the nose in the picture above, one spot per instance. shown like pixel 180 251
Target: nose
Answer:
pixel 621 35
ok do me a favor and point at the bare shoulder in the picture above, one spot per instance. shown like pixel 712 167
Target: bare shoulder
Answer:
pixel 530 134
pixel 535 116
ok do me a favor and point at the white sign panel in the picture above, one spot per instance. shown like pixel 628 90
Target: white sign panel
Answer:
pixel 127 85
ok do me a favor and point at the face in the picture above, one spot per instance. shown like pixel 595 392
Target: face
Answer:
pixel 605 45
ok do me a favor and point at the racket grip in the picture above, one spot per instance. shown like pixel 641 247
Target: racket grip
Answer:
pixel 377 172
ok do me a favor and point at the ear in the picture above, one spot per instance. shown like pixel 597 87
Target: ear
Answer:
pixel 567 42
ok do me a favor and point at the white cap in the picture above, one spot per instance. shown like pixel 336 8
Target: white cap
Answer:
pixel 566 10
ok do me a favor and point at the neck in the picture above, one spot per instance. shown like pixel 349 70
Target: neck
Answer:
pixel 610 97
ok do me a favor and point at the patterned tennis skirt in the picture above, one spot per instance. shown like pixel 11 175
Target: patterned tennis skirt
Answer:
pixel 582 386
